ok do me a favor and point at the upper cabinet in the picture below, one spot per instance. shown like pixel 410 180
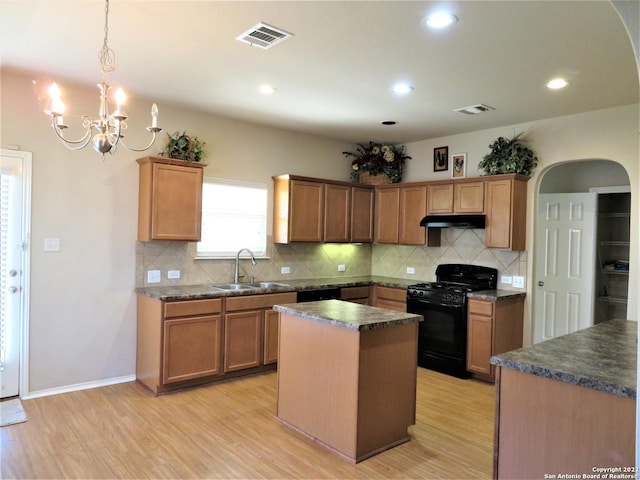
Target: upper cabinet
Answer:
pixel 398 211
pixel 506 210
pixel 313 210
pixel 169 199
pixel 456 197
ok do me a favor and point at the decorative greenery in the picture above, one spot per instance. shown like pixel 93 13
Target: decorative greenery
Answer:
pixel 378 159
pixel 508 156
pixel 183 147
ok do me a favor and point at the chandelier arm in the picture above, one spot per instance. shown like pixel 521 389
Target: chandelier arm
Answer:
pixel 72 144
pixel 153 132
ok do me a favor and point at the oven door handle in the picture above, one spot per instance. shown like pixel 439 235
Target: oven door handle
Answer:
pixel 443 305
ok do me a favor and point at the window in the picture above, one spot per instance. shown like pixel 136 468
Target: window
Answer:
pixel 234 216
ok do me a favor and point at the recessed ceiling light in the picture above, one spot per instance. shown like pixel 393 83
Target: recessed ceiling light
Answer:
pixel 388 122
pixel 440 20
pixel 266 90
pixel 557 83
pixel 402 89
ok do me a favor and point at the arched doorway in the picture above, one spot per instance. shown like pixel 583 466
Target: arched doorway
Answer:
pixel 582 244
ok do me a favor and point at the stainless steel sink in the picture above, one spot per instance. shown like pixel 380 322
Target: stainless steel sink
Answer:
pixel 268 284
pixel 236 286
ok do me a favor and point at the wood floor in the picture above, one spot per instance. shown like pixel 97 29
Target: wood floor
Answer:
pixel 229 431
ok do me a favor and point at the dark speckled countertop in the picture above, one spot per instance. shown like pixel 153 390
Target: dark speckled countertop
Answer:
pixel 602 357
pixel 348 315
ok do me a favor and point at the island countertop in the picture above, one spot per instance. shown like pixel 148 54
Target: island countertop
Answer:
pixel 348 315
pixel 602 357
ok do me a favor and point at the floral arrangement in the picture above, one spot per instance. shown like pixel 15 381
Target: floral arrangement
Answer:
pixel 184 147
pixel 509 155
pixel 378 159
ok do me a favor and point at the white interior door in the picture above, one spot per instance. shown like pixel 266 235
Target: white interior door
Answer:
pixel 15 176
pixel 564 264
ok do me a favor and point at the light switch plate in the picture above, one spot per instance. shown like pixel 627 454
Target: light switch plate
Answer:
pixel 153 276
pixel 506 279
pixel 51 244
pixel 173 274
pixel 285 270
pixel 411 270
pixel 518 282
pixel 341 268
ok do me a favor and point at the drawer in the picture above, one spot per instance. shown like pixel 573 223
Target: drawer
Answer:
pixel 480 307
pixel 348 293
pixel 185 308
pixel 267 300
pixel 398 294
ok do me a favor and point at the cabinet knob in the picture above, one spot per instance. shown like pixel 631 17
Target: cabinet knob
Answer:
pixel 540 283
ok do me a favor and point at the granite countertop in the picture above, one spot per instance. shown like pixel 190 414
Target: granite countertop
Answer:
pixel 602 357
pixel 495 295
pixel 348 315
pixel 193 292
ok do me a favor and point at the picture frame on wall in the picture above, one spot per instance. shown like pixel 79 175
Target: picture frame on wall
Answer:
pixel 458 165
pixel 441 159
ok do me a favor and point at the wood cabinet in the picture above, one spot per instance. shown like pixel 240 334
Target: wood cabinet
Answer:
pixel 251 330
pixel 361 214
pixel 178 342
pixel 315 210
pixel 506 210
pixel 398 211
pixel 389 298
pixel 169 199
pixel 458 197
pixel 494 327
pixel 192 342
pixel 355 294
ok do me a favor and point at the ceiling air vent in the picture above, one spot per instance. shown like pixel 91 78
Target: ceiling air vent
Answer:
pixel 474 109
pixel 264 36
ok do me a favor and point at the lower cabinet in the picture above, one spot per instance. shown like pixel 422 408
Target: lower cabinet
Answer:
pixel 389 298
pixel 493 327
pixel 192 342
pixel 355 294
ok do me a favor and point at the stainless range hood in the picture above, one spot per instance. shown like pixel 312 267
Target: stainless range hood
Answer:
pixel 453 221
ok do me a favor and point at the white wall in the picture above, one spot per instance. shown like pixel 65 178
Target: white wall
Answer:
pixel 82 301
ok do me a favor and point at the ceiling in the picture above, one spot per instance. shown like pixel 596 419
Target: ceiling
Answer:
pixel 333 77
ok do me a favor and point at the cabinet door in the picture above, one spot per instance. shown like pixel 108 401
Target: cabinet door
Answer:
pixel 498 230
pixel 306 207
pixel 170 202
pixel 361 214
pixel 390 298
pixel 191 348
pixel 271 326
pixel 387 208
pixel 479 343
pixel 469 197
pixel 413 208
pixel 440 198
pixel 337 212
pixel 242 340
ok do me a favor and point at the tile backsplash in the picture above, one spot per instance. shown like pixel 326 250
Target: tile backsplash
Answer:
pixel 310 260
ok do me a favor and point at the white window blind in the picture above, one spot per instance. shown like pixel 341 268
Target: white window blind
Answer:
pixel 5 183
pixel 234 216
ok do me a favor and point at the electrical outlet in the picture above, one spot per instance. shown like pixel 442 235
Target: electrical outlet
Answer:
pixel 341 268
pixel 153 276
pixel 518 281
pixel 285 270
pixel 506 279
pixel 173 274
pixel 411 270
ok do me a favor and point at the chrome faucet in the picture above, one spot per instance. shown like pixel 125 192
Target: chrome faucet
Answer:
pixel 236 276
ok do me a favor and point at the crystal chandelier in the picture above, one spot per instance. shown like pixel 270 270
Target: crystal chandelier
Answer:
pixel 108 128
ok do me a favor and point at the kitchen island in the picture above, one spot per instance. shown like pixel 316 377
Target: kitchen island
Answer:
pixel 347 375
pixel 567 406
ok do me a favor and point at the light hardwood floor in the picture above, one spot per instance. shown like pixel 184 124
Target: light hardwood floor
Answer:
pixel 228 430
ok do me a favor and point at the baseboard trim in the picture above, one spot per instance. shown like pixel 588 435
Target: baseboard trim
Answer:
pixel 78 386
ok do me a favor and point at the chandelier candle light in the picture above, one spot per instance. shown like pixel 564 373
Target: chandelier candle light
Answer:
pixel 108 127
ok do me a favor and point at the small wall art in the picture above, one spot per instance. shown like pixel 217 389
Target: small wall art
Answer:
pixel 441 159
pixel 458 165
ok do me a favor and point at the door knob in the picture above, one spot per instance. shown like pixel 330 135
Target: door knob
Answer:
pixel 540 284
pixel 13 289
pixel 13 273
